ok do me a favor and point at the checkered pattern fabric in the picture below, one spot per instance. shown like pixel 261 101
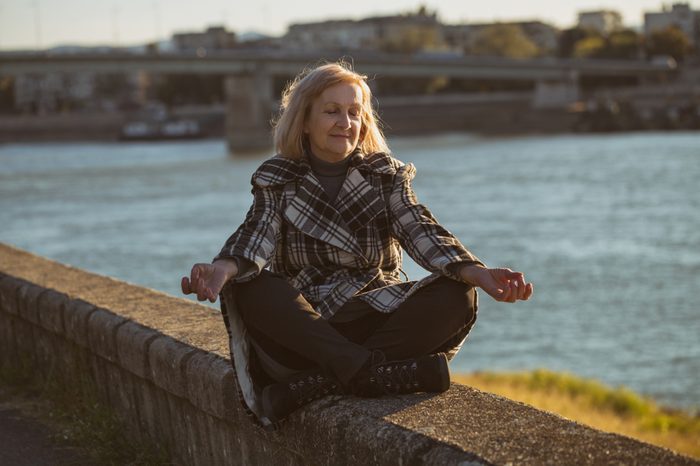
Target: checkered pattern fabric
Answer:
pixel 332 252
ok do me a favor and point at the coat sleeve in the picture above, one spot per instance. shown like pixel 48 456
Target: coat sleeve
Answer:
pixel 419 233
pixel 256 239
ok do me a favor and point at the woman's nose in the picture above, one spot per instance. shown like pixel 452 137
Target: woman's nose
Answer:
pixel 343 120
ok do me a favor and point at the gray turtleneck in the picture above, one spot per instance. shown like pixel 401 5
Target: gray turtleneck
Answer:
pixel 330 174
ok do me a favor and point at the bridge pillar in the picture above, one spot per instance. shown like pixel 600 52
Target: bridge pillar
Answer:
pixel 249 107
pixel 556 93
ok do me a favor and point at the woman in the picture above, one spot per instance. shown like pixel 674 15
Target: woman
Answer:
pixel 310 283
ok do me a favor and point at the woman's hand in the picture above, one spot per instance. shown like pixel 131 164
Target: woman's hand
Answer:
pixel 501 284
pixel 207 280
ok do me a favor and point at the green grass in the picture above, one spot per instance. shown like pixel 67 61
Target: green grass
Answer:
pixel 591 402
pixel 622 401
pixel 77 418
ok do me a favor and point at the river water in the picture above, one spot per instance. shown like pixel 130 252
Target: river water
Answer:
pixel 607 227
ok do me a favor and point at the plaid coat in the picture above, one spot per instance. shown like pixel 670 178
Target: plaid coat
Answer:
pixel 334 251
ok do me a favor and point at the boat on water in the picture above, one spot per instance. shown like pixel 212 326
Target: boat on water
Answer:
pixel 150 130
pixel 154 123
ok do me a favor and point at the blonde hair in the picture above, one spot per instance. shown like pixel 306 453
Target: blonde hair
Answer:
pixel 298 96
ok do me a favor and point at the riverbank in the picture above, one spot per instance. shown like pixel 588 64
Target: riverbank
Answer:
pixel 400 116
pixel 61 127
pixel 618 410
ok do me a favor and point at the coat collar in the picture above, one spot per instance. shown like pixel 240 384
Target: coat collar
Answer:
pixel 358 160
pixel 310 210
pixel 279 170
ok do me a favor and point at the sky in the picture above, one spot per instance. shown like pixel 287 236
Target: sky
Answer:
pixel 29 24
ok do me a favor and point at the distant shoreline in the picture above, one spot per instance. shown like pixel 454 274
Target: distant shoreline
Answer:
pixel 501 114
pixel 512 117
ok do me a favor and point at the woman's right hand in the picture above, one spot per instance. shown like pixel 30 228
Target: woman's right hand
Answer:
pixel 501 284
pixel 207 280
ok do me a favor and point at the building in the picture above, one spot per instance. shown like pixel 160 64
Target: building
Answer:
pixel 679 15
pixel 214 38
pixel 401 33
pixel 332 34
pixel 52 92
pixel 49 93
pixel 603 21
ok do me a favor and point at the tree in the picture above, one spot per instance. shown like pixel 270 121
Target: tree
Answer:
pixel 670 41
pixel 569 38
pixel 589 43
pixel 7 94
pixel 412 39
pixel 589 47
pixel 504 40
pixel 625 44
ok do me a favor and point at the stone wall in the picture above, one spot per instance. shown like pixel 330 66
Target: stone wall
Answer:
pixel 161 363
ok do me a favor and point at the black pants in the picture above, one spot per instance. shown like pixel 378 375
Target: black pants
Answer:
pixel 287 327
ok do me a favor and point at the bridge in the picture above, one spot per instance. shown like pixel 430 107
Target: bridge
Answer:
pixel 250 76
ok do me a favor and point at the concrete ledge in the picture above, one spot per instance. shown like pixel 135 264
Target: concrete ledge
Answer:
pixel 77 314
pixel 50 309
pixel 162 364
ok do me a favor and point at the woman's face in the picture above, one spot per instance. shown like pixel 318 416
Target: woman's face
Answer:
pixel 334 122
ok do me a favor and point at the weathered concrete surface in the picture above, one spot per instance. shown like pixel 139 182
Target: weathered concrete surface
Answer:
pixel 189 323
pixel 162 364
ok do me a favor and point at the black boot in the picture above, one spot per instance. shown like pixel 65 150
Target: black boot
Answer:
pixel 279 400
pixel 379 377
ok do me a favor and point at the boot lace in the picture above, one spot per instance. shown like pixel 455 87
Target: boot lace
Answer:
pixel 311 387
pixel 396 377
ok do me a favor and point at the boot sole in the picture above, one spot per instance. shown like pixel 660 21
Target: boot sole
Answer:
pixel 445 374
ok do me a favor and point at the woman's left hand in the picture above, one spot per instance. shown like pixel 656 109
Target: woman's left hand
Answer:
pixel 501 284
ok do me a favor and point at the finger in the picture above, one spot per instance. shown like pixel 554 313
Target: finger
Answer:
pixel 494 291
pixel 514 275
pixel 528 290
pixel 520 283
pixel 185 285
pixel 513 291
pixel 505 297
pixel 203 289
pixel 497 293
pixel 200 290
pixel 501 275
pixel 194 274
